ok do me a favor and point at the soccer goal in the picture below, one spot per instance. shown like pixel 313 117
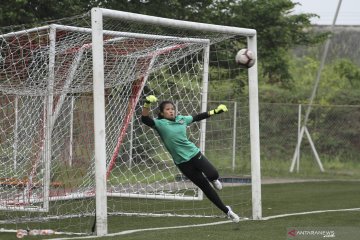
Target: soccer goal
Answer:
pixel 72 146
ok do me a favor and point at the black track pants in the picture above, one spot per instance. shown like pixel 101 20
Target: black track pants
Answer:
pixel 195 169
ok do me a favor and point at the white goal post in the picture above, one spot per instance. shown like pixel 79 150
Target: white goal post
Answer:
pixel 99 108
pixel 72 145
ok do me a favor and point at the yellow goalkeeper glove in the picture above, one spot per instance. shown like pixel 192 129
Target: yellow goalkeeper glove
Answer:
pixel 149 100
pixel 220 109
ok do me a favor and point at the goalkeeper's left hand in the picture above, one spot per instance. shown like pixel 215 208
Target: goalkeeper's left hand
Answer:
pixel 220 109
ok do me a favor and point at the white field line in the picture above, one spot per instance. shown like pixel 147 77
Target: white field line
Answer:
pixel 148 229
pixel 312 212
pixel 209 224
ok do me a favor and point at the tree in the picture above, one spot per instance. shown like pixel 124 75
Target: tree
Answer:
pixel 191 10
pixel 31 12
pixel 278 29
pixel 278 32
pixel 349 72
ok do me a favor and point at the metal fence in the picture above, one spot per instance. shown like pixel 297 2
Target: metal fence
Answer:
pixel 334 131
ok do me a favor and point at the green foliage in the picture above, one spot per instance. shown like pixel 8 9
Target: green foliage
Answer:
pixel 278 31
pixel 275 94
pixel 179 9
pixel 348 72
pixel 30 12
pixel 339 81
pixel 276 199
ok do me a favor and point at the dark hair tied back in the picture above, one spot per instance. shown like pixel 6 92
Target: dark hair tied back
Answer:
pixel 162 107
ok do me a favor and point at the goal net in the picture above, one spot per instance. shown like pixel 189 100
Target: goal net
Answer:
pixel 49 164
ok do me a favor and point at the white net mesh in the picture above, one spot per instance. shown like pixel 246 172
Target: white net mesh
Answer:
pixel 46 114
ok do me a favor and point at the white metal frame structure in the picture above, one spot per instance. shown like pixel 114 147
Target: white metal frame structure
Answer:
pixel 303 129
pixel 97 16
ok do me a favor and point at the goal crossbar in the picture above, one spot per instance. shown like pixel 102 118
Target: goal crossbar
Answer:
pixel 165 22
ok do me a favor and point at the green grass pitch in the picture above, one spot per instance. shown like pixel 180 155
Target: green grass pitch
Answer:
pixel 277 199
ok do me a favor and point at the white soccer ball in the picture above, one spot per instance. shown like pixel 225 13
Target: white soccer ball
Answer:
pixel 245 58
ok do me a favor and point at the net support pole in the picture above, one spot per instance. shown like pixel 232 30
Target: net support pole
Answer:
pixel 71 133
pixel 204 95
pixel 16 132
pixel 99 121
pixel 254 134
pixel 49 117
pixel 312 97
pixel 204 99
pixel 234 138
pixel 299 130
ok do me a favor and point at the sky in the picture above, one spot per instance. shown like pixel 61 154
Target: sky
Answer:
pixel 349 13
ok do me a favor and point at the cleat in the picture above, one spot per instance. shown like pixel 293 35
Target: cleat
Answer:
pixel 233 216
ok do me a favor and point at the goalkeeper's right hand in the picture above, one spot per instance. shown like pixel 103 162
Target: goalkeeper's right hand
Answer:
pixel 149 100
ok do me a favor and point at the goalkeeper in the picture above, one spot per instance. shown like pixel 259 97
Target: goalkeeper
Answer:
pixel 187 157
